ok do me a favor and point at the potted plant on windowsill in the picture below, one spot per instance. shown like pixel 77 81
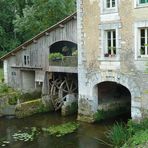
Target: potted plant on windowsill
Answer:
pixel 106 54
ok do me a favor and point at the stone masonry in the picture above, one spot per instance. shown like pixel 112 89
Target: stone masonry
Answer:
pixel 127 68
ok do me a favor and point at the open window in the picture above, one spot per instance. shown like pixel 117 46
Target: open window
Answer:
pixel 26 60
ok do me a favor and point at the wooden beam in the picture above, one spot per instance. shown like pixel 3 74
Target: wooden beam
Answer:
pixel 13 54
pixel 35 41
pixel 23 47
pixel 47 33
pixel 61 25
pixel 75 17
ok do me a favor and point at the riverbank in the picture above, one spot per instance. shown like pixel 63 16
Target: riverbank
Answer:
pixel 130 135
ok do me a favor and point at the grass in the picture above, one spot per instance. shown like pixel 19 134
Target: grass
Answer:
pixel 117 135
pixel 132 135
pixel 1 74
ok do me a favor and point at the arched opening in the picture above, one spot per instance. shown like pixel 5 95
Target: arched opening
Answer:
pixel 63 54
pixel 66 48
pixel 113 99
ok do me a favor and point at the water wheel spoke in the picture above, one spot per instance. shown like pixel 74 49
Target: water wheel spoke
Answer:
pixel 67 85
pixel 74 89
pixel 71 85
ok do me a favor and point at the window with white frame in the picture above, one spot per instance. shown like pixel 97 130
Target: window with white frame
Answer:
pixel 140 3
pixel 108 6
pixel 26 60
pixel 141 39
pixel 110 49
pixel 143 1
pixel 144 41
pixel 110 40
pixel 110 3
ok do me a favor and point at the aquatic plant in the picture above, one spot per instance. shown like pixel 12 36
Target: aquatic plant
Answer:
pixel 25 136
pixel 61 130
pixel 4 143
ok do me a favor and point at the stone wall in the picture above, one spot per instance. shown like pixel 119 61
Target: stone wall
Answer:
pixel 30 108
pixel 70 105
pixel 5 108
pixel 125 69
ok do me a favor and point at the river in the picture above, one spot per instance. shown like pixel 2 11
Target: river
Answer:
pixel 85 137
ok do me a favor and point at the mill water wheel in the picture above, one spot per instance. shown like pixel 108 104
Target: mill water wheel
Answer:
pixel 60 88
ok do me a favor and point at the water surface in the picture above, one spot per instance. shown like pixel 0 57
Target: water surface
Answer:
pixel 85 137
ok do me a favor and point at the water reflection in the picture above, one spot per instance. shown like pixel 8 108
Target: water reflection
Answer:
pixel 84 137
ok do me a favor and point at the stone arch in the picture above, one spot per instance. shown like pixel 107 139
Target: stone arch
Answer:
pixel 122 79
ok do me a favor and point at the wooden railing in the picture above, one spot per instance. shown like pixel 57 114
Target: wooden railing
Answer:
pixel 67 61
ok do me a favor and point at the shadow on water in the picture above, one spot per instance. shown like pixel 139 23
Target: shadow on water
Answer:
pixel 85 137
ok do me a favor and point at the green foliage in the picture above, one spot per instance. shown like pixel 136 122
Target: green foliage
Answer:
pixel 118 134
pixel 101 114
pixel 22 19
pixel 30 96
pixel 56 56
pixel 13 98
pixel 1 75
pixel 41 15
pixel 134 127
pixel 61 130
pixel 133 135
pixel 43 108
pixel 140 137
pixel 25 136
pixel 8 38
pixel 5 89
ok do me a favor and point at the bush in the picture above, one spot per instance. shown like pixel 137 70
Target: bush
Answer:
pixel 13 98
pixel 4 88
pixel 56 56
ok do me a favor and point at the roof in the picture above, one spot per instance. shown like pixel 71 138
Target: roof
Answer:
pixel 25 44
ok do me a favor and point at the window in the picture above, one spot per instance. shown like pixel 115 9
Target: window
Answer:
pixel 110 3
pixel 26 60
pixel 109 10
pixel 140 3
pixel 110 43
pixel 143 1
pixel 144 41
pixel 141 39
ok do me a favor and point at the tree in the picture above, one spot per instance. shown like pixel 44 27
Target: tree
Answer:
pixel 22 19
pixel 41 15
pixel 7 35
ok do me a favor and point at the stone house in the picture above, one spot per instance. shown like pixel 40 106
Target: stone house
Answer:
pixel 113 51
pixel 112 38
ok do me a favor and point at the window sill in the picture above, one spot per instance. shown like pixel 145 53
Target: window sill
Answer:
pixel 142 58
pixel 138 6
pixel 109 11
pixel 112 59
